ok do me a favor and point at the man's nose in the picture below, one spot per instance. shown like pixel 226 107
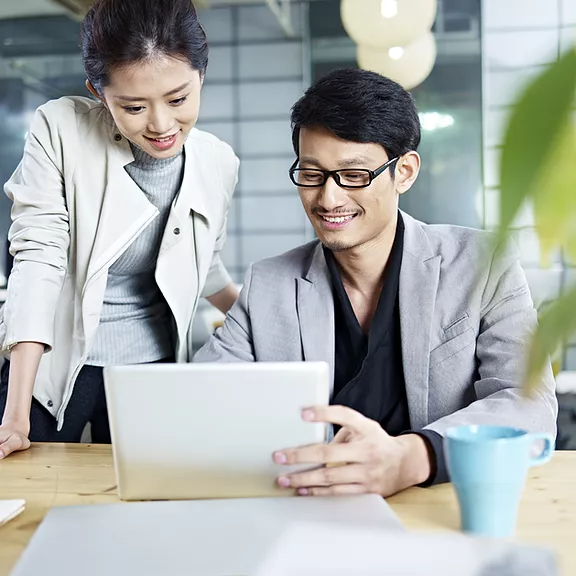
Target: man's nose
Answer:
pixel 331 196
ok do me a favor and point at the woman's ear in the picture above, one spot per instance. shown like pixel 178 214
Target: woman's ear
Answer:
pixel 93 91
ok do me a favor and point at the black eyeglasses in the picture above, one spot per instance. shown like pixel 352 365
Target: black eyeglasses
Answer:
pixel 345 178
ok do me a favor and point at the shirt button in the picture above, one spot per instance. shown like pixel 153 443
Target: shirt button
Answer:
pixel 50 403
pixel 117 137
pixel 176 231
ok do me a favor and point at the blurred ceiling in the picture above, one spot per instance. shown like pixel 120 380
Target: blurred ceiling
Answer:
pixel 33 27
pixel 25 8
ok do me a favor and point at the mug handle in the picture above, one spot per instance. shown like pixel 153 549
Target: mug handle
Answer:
pixel 546 454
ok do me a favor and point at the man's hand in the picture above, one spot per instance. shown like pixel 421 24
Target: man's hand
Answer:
pixel 362 458
pixel 13 437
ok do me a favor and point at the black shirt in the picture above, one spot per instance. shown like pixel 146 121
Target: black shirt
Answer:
pixel 368 369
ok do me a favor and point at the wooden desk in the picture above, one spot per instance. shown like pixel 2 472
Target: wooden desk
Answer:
pixel 64 474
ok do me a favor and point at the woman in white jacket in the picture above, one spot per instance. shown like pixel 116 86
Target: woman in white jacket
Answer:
pixel 119 213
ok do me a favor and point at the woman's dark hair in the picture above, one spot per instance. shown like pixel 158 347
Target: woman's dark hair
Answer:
pixel 360 106
pixel 118 33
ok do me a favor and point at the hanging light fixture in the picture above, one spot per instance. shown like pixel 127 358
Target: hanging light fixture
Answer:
pixel 387 23
pixel 408 65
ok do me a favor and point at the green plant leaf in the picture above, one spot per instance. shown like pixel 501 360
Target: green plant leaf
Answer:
pixel 570 247
pixel 555 195
pixel 557 323
pixel 531 136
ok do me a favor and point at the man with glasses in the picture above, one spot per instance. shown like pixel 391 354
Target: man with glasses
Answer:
pixel 423 327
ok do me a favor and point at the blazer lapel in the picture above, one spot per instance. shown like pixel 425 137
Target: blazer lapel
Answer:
pixel 316 313
pixel 419 278
pixel 192 195
pixel 124 211
pixel 187 244
pixel 196 189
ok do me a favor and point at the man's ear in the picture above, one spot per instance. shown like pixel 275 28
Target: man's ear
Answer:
pixel 406 171
pixel 93 91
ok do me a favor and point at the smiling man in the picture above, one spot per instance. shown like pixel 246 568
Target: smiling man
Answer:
pixel 424 327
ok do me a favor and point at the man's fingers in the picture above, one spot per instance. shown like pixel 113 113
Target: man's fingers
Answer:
pixel 319 454
pixel 343 435
pixel 342 416
pixel 330 476
pixel 338 490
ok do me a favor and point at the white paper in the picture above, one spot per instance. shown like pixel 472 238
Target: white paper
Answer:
pixel 317 550
pixel 10 509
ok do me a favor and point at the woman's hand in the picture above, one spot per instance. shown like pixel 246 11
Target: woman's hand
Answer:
pixel 13 437
pixel 224 300
pixel 15 427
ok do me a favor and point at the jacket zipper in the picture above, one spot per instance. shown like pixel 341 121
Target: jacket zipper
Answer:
pixel 106 265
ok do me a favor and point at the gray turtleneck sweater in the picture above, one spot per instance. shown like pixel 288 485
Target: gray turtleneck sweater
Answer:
pixel 136 322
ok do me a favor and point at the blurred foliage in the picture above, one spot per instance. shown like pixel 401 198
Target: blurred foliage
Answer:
pixel 538 165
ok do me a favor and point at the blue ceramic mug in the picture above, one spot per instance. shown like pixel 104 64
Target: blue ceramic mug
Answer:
pixel 488 467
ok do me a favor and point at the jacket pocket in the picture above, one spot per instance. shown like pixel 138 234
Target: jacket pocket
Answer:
pixel 451 347
pixel 458 326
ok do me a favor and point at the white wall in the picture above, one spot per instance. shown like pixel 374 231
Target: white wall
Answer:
pixel 255 75
pixel 519 40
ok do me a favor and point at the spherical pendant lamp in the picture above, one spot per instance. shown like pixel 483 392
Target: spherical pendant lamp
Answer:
pixel 387 23
pixel 409 65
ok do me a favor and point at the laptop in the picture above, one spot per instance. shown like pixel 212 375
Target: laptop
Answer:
pixel 195 431
pixel 221 537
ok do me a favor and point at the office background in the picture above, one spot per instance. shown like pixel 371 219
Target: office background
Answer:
pixel 487 50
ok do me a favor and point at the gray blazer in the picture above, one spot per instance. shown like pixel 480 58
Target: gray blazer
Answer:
pixel 465 317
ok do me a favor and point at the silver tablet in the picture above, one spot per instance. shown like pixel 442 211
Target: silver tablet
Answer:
pixel 187 431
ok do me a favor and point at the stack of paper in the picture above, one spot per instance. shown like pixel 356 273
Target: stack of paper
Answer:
pixel 311 549
pixel 10 509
